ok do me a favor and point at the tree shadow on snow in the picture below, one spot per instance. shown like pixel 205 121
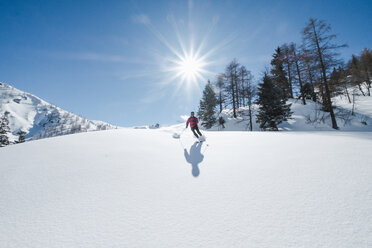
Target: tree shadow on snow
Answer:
pixel 194 158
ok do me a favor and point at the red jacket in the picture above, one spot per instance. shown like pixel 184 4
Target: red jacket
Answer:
pixel 193 121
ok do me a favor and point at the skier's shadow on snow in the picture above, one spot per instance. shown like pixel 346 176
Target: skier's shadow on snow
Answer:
pixel 194 158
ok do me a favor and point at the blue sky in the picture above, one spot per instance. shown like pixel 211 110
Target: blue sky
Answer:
pixel 108 60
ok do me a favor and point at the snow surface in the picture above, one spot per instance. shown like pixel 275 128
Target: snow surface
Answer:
pixel 143 188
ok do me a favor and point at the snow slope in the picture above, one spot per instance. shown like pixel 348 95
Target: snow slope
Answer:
pixel 40 119
pixel 309 117
pixel 142 188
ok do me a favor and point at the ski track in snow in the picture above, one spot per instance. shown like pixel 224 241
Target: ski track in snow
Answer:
pixel 138 188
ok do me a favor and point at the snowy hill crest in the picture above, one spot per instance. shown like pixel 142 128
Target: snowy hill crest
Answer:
pixel 309 117
pixel 40 119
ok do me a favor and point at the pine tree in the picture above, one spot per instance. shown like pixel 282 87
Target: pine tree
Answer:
pixel 366 67
pixel 273 109
pixel 335 82
pixel 288 66
pixel 344 83
pixel 355 73
pixel 220 85
pixel 207 107
pixel 278 73
pixel 4 129
pixel 221 122
pixel 310 74
pixel 21 137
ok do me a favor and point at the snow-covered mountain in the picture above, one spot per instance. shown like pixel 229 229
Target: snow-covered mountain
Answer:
pixel 40 119
pixel 143 188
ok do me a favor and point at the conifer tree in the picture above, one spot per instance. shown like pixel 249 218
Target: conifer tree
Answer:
pixel 278 73
pixel 366 67
pixel 4 130
pixel 344 83
pixel 288 66
pixel 21 137
pixel 335 82
pixel 273 109
pixel 207 107
pixel 355 73
pixel 220 85
pixel 221 122
pixel 310 74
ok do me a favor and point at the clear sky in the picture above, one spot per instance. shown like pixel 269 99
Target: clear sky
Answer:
pixel 117 61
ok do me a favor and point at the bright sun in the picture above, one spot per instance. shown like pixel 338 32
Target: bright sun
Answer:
pixel 189 67
pixel 187 63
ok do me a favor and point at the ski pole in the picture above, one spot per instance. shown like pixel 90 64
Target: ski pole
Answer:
pixel 182 131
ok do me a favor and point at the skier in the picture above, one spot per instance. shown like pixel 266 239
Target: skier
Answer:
pixel 194 125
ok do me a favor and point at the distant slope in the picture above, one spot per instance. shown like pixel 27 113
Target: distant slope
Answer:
pixel 142 188
pixel 40 119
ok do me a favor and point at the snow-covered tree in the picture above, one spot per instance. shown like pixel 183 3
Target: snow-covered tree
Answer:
pixel 21 137
pixel 4 130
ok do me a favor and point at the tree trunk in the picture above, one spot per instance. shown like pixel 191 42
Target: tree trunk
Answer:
pixel 313 95
pixel 352 110
pixel 233 95
pixel 299 78
pixel 289 74
pixel 243 91
pixel 290 80
pixel 368 82
pixel 250 117
pixel 328 93
pixel 220 101
pixel 347 94
pixel 236 90
pixel 360 88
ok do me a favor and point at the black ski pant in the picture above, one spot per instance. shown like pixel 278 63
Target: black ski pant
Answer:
pixel 196 130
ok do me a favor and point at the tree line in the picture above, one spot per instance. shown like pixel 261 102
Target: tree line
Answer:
pixel 311 70
pixel 5 129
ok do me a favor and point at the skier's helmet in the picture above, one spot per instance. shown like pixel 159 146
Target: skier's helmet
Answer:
pixel 192 113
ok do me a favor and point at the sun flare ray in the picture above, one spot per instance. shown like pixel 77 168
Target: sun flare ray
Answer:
pixel 187 62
